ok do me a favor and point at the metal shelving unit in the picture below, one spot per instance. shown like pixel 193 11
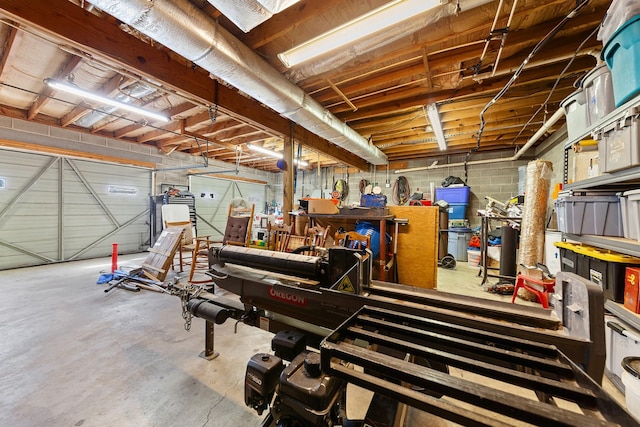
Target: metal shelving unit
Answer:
pixel 632 319
pixel 618 244
pixel 621 181
pixel 631 107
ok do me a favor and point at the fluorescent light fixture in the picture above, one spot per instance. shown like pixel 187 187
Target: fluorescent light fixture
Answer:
pixel 264 151
pixel 378 19
pixel 72 89
pixel 434 119
pixel 275 155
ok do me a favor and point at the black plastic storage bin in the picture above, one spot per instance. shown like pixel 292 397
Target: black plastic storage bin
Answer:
pixel 609 276
pixel 603 267
pixel 568 259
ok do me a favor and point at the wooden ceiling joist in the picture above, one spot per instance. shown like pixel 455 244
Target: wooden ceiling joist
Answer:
pixel 86 31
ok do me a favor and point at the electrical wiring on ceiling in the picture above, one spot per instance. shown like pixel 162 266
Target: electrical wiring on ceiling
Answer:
pixel 555 84
pixel 517 73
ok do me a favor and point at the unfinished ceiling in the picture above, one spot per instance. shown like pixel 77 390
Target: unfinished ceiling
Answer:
pixel 364 104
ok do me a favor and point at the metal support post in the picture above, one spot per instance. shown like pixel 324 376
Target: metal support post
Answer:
pixel 209 353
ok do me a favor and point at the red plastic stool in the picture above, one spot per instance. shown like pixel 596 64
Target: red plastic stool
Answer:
pixel 542 289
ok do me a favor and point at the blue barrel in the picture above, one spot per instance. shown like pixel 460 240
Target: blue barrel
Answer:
pixel 371 230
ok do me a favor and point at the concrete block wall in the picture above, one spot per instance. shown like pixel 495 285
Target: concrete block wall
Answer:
pixel 171 169
pixel 498 180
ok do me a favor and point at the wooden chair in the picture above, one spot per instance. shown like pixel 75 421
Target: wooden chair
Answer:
pixel 237 232
pixel 187 243
pixel 315 237
pixel 278 237
pixel 353 240
pixel 177 216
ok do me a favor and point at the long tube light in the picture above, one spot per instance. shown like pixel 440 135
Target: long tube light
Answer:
pixel 436 125
pixel 273 154
pixel 378 19
pixel 69 88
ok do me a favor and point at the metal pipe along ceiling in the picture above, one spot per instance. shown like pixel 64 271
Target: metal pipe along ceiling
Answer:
pixel 185 29
pixel 543 129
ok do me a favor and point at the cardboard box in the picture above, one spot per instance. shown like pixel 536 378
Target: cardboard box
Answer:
pixel 585 165
pixel 322 206
pixel 631 279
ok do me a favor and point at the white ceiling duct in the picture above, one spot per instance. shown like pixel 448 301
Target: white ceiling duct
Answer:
pixel 185 29
pixel 248 14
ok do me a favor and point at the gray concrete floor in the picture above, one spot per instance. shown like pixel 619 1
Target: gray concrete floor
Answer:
pixel 72 355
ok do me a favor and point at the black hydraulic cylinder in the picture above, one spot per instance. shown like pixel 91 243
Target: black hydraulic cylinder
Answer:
pixel 208 311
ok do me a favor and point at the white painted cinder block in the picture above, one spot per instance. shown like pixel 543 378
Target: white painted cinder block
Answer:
pixel 118 145
pixel 6 122
pixel 64 134
pixel 31 127
pixel 93 139
pixel 144 149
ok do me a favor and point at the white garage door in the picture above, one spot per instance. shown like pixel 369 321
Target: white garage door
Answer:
pixel 56 209
pixel 213 196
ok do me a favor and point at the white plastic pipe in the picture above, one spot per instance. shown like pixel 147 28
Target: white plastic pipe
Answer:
pixel 550 122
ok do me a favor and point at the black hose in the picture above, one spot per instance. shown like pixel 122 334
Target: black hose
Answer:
pixel 401 191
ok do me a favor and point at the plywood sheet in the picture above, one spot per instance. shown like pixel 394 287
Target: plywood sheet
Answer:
pixel 417 245
pixel 157 264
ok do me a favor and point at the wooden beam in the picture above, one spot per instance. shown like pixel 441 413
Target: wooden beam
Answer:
pixel 416 97
pixel 337 90
pixel 204 140
pixel 286 21
pixel 376 79
pixel 223 176
pixel 69 67
pixel 440 45
pixel 85 31
pixel 73 153
pixel 287 180
pixel 427 70
pixel 172 111
pixel 82 109
pixel 13 39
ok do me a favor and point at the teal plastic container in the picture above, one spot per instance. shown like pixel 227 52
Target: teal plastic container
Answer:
pixel 622 54
pixel 457 210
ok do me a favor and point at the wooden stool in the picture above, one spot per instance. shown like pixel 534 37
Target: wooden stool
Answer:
pixel 539 287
